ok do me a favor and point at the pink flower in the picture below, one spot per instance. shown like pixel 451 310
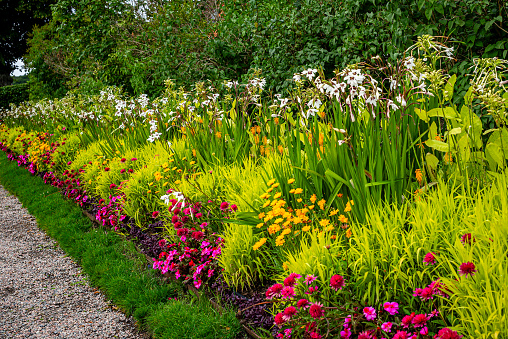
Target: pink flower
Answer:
pixel 345 334
pixel 406 321
pixel 467 268
pixel 419 320
pixel 429 259
pixel 467 239
pixel 274 291
pixel 223 206
pixel 446 333
pixel 234 207
pixel 370 313
pixel 123 160
pixel 364 335
pixel 134 159
pixel 288 292
pixel 337 282
pixel 315 335
pixel 289 312
pixel 316 310
pixel 387 327
pixel 312 290
pixel 424 331
pixel 391 308
pixel 287 332
pixel 401 335
pixel 291 279
pixel 155 214
pixel 309 279
pixel 279 319
pixel 302 303
pixel 112 186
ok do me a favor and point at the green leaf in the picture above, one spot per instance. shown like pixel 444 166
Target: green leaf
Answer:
pixel 447 112
pixel 428 13
pixel 438 145
pixel 468 97
pixel 422 114
pixel 448 90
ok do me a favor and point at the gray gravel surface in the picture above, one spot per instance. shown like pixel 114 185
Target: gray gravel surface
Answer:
pixel 43 293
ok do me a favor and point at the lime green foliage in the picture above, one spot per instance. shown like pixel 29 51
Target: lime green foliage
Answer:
pixel 110 262
pixel 69 146
pixel 243 266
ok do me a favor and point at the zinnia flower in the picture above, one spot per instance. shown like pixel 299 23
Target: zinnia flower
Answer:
pixel 291 279
pixel 429 259
pixel 279 319
pixel 345 334
pixel 406 321
pixel 289 312
pixel 316 310
pixel 315 335
pixel 274 291
pixel 223 206
pixel 391 308
pixel 302 303
pixel 401 335
pixel 387 327
pixel 155 214
pixel 287 292
pixel 467 268
pixel 467 239
pixel 309 279
pixel 370 313
pixel 446 333
pixel 419 320
pixel 364 335
pixel 337 282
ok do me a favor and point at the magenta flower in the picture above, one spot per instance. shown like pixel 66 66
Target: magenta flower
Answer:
pixel 370 313
pixel 406 321
pixel 274 291
pixel 316 310
pixel 364 335
pixel 424 331
pixel 467 268
pixel 279 319
pixel 309 279
pixel 315 335
pixel 467 239
pixel 134 159
pixel 288 292
pixel 302 303
pixel 234 207
pixel 155 214
pixel 429 259
pixel 446 333
pixel 291 279
pixel 391 308
pixel 289 312
pixel 345 334
pixel 223 206
pixel 387 327
pixel 337 282
pixel 401 335
pixel 419 320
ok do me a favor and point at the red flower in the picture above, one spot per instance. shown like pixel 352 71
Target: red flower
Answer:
pixel 467 239
pixel 130 170
pixel 197 235
pixel 401 335
pixel 315 335
pixel 182 232
pixel 419 320
pixel 337 282
pixel 106 169
pixel 406 321
pixel 288 292
pixel 122 170
pixel 446 333
pixel 224 205
pixel 302 303
pixel 234 207
pixel 112 186
pixel 274 291
pixel 316 310
pixel 279 319
pixel 467 268
pixel 289 312
pixel 429 259
pixel 123 160
pixel 155 214
pixel 291 279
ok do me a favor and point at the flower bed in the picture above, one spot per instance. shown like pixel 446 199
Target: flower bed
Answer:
pixel 367 205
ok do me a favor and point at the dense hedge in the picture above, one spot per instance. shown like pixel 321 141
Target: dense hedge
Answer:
pixel 13 94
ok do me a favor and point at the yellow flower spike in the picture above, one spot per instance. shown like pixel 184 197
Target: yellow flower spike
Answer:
pixel 275 185
pixel 321 204
pixel 290 181
pixel 313 198
pixel 260 225
pixel 258 244
pixel 271 182
pixel 279 241
pixel 266 204
pixel 277 196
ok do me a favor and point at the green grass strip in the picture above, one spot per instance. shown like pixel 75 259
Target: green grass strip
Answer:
pixel 115 266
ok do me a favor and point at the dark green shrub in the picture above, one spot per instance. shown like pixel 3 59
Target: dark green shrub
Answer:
pixel 13 94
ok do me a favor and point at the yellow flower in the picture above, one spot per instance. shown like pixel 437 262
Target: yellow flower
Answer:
pixel 178 182
pixel 306 228
pixel 274 228
pixel 165 165
pixel 349 233
pixel 270 182
pixel 218 135
pixel 260 225
pixel 324 222
pixel 330 228
pixel 278 220
pixel 149 191
pixel 334 212
pixel 290 181
pixel 286 231
pixel 285 267
pixel 321 203
pixel 157 176
pixel 298 191
pixel 313 198
pixel 258 244
pixel 277 195
pixel 279 241
pixel 299 199
pixel 269 190
pixel 275 185
pixel 264 196
pixel 261 215
pixel 311 207
pixel 419 175
pixel 348 206
pixel 164 184
pixel 266 204
pixel 343 219
pixel 194 152
pixel 150 184
pixel 292 190
pixel 192 162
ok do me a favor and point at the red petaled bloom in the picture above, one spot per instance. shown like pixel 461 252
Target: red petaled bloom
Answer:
pixel 446 333
pixel 429 259
pixel 467 268
pixel 155 214
pixel 302 303
pixel 197 235
pixel 467 239
pixel 401 335
pixel 291 279
pixel 316 310
pixel 337 282
pixel 279 319
pixel 289 312
pixel 406 321
pixel 419 320
pixel 106 169
pixel 123 160
pixel 224 205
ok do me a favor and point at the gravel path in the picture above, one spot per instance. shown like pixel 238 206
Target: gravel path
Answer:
pixel 44 294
